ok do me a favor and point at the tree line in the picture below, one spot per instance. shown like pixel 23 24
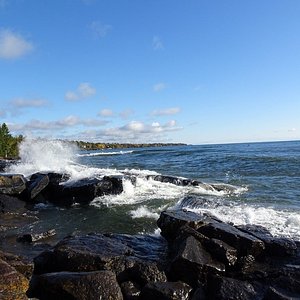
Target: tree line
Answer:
pixel 8 143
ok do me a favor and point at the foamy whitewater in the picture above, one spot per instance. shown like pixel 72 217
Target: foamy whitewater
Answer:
pixel 258 184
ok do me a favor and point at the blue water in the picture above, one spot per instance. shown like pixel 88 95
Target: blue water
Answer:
pixel 265 180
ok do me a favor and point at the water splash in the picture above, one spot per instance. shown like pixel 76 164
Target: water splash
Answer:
pixel 44 155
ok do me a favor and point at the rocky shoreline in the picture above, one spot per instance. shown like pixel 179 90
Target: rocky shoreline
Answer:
pixel 196 256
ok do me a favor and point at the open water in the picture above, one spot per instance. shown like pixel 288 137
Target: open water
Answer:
pixel 264 181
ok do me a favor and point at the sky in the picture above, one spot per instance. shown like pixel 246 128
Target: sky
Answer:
pixel 141 71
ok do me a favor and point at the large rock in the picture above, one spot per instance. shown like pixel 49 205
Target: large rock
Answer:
pixel 13 285
pixel 85 253
pixel 245 243
pixel 76 285
pixel 166 291
pixel 223 288
pixel 274 246
pixel 171 221
pixel 12 184
pixel 192 263
pixel 84 191
pixel 37 183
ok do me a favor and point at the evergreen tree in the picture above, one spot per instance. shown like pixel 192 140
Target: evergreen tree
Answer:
pixel 8 143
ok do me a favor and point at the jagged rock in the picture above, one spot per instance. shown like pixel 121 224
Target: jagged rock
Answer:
pixel 84 191
pixel 171 221
pixel 13 285
pixel 130 290
pixel 22 265
pixel 191 263
pixel 86 253
pixel 34 237
pixel 244 243
pixel 274 246
pixel 145 272
pixel 166 291
pixel 199 294
pixel 221 251
pixel 37 183
pixel 75 285
pixel 224 288
pixel 12 184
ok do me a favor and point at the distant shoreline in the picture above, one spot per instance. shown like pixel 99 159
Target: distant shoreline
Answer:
pixel 101 146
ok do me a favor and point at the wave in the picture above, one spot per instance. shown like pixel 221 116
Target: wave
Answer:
pixel 279 222
pixel 104 153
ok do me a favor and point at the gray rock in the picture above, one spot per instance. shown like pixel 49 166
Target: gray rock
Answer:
pixel 12 184
pixel 75 285
pixel 165 291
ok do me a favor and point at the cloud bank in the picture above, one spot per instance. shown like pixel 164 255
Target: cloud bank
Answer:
pixel 13 45
pixel 83 91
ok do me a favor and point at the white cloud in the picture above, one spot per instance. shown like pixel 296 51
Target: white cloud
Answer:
pixel 166 112
pixel 24 103
pixel 105 113
pixel 157 43
pixel 159 87
pixel 292 130
pixel 67 122
pixel 84 90
pixel 126 113
pixel 13 45
pixel 100 30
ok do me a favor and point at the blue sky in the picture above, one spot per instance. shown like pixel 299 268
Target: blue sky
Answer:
pixel 195 71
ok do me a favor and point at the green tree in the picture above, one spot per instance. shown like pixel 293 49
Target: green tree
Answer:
pixel 8 143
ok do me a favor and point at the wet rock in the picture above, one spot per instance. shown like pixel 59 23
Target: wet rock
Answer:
pixel 223 288
pixel 192 262
pixel 12 184
pixel 84 191
pixel 130 290
pixel 34 237
pixel 221 251
pixel 243 242
pixel 166 291
pixel 37 183
pixel 145 272
pixel 199 294
pixel 86 253
pixel 170 222
pixel 274 246
pixel 13 285
pixel 75 285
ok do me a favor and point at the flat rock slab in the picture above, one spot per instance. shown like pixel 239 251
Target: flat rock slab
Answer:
pixel 76 285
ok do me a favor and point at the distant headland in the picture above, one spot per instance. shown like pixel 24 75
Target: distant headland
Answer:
pixel 101 146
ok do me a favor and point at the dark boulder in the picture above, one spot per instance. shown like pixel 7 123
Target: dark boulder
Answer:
pixel 171 221
pixel 221 251
pixel 36 184
pixel 224 288
pixel 191 263
pixel 144 272
pixel 130 290
pixel 12 184
pixel 75 285
pixel 86 253
pixel 166 291
pixel 83 191
pixel 245 243
pixel 274 246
